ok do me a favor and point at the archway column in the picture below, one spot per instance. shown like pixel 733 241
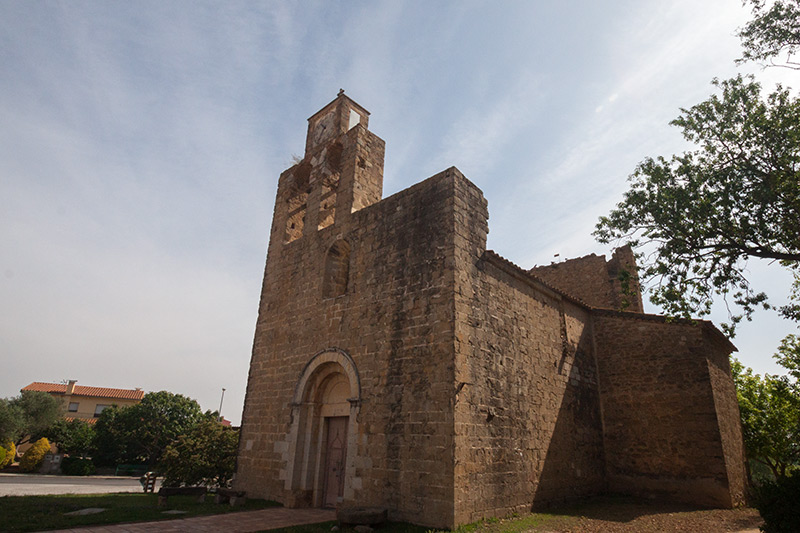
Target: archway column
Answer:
pixel 352 447
pixel 303 448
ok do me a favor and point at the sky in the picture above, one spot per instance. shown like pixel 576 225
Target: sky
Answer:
pixel 141 144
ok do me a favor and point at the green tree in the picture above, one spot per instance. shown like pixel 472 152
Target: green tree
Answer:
pixel 140 433
pixel 40 411
pixel 702 214
pixel 204 456
pixel 770 412
pixel 74 438
pixel 11 421
pixel 27 416
pixel 111 441
pixel 788 357
pixel 773 33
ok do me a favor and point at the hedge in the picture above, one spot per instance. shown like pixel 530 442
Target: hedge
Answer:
pixel 77 466
pixel 779 504
pixel 33 458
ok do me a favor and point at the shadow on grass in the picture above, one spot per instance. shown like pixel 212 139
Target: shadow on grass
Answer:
pixel 623 509
pixel 325 527
pixel 598 514
pixel 627 513
pixel 37 513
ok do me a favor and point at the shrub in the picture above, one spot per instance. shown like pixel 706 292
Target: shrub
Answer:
pixel 33 458
pixel 777 503
pixel 11 452
pixel 77 466
pixel 3 454
pixel 204 456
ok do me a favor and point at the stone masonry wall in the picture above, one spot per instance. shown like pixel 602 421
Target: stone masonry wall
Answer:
pixel 727 408
pixel 662 417
pixel 395 321
pixel 611 284
pixel 527 418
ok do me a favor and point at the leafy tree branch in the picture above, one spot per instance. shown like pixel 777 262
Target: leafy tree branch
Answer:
pixel 774 33
pixel 697 218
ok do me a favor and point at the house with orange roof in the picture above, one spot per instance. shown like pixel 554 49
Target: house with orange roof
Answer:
pixel 86 403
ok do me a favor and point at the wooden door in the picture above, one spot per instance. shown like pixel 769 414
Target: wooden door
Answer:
pixel 335 454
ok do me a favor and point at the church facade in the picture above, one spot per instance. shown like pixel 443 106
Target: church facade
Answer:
pixel 398 363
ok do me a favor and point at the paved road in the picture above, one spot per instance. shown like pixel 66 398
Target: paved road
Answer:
pixel 30 484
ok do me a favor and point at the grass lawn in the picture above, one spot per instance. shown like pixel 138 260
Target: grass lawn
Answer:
pixel 597 515
pixel 36 513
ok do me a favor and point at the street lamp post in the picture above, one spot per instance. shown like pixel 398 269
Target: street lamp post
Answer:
pixel 219 412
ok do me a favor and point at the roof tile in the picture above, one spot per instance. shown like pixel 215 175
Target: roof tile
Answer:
pixel 80 390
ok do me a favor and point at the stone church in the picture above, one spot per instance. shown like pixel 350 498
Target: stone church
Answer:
pixel 398 363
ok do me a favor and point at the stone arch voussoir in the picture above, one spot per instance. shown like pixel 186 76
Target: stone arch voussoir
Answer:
pixel 329 355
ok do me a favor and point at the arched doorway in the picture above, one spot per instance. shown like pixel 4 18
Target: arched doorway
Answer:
pixel 323 430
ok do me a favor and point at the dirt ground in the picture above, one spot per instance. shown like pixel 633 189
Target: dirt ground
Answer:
pixel 626 515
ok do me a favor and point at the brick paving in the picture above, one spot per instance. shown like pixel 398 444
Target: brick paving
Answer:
pixel 242 522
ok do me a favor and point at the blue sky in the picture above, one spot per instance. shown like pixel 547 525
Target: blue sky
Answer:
pixel 141 144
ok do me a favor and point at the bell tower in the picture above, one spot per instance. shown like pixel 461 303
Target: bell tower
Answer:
pixel 340 173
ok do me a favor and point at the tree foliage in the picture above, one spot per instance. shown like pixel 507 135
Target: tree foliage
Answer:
pixel 774 33
pixel 77 466
pixel 74 438
pixel 140 433
pixel 788 357
pixel 11 421
pixel 770 409
pixel 702 214
pixel 204 456
pixel 776 502
pixel 27 416
pixel 111 441
pixel 770 412
pixel 39 410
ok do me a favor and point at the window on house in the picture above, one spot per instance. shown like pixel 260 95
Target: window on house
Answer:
pixel 99 409
pixel 73 407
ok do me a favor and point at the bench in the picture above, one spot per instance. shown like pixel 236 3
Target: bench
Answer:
pixel 234 497
pixel 131 470
pixel 166 492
